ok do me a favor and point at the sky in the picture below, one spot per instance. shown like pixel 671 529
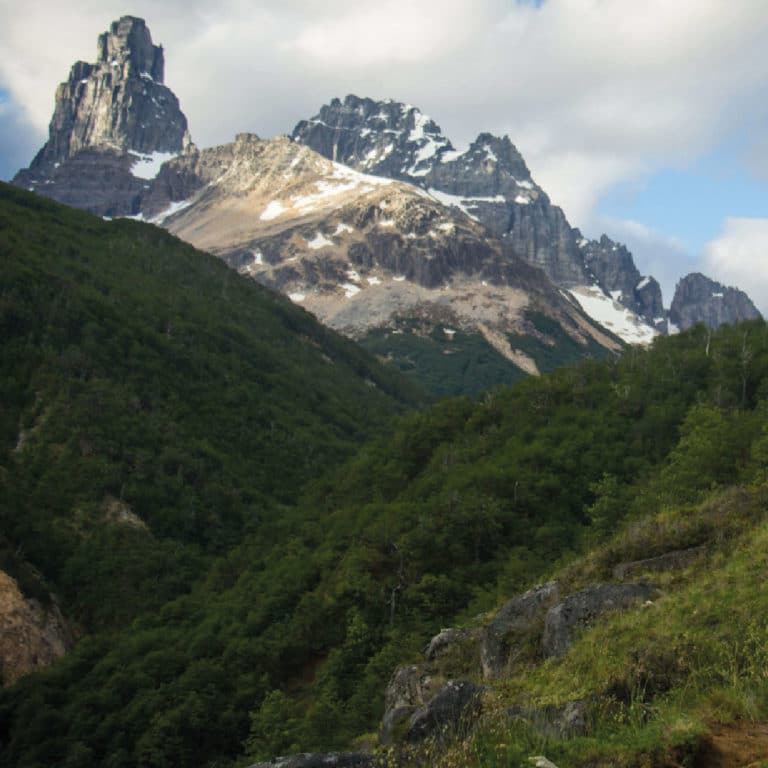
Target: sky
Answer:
pixel 644 120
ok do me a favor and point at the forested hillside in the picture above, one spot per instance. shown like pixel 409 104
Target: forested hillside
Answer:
pixel 277 578
pixel 143 381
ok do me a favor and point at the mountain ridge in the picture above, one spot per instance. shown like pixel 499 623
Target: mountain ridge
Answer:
pixel 93 160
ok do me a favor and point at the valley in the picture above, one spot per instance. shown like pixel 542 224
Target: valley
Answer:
pixel 344 448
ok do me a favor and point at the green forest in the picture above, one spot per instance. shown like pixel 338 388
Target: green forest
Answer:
pixel 309 518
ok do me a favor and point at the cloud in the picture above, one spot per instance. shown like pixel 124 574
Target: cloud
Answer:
pixel 593 92
pixel 738 256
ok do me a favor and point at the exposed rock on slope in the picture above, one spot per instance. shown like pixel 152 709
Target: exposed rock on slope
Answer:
pixel 114 123
pixel 615 272
pixel 489 180
pixel 32 636
pixel 578 609
pixel 359 251
pixel 701 300
pixel 517 616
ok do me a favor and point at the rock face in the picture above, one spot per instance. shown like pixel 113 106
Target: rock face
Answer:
pixel 113 122
pixel 359 251
pixel 410 689
pixel 490 180
pixel 701 300
pixel 517 616
pixel 32 636
pixel 451 713
pixel 579 609
pixel 615 272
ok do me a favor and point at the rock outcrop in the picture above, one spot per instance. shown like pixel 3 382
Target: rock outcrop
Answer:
pixel 114 123
pixel 32 635
pixel 701 300
pixel 448 715
pixel 581 608
pixel 446 641
pixel 409 690
pixel 519 616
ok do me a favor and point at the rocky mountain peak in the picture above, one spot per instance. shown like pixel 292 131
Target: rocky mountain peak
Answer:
pixel 698 299
pixel 118 103
pixel 611 265
pixel 386 138
pixel 129 43
pixel 489 181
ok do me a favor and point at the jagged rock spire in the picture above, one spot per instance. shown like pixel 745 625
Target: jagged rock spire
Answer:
pixel 119 102
pixel 129 43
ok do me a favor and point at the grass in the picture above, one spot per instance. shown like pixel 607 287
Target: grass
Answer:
pixel 658 678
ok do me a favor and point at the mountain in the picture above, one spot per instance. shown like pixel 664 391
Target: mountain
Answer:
pixel 698 299
pixel 156 407
pixel 421 283
pixel 253 586
pixel 382 261
pixel 119 146
pixel 614 269
pixel 491 182
pixel 114 123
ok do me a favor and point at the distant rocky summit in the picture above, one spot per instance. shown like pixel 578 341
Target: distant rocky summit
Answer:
pixel 489 181
pixel 114 123
pixel 613 268
pixel 468 223
pixel 701 300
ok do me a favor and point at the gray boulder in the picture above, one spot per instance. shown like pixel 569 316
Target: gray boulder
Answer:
pixel 451 713
pixel 409 689
pixel 516 617
pixel 581 608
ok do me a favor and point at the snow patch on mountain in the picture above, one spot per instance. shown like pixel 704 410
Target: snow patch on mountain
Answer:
pixel 609 313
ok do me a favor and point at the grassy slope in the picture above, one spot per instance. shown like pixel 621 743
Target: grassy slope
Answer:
pixel 662 682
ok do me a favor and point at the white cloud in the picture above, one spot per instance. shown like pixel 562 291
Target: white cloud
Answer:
pixel 739 256
pixel 593 92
